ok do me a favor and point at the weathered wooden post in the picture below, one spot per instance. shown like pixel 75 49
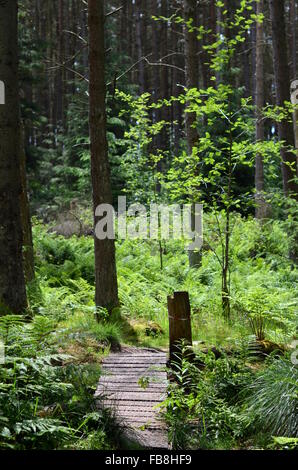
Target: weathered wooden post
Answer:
pixel 179 322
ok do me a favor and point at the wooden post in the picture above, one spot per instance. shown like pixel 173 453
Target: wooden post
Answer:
pixel 179 321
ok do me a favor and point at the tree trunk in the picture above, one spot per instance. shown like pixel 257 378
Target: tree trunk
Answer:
pixel 282 85
pixel 60 78
pixel 191 71
pixel 28 252
pixel 12 282
pixel 178 78
pixel 259 103
pixel 293 56
pixel 192 81
pixel 293 39
pixel 105 264
pixel 164 90
pixel 139 41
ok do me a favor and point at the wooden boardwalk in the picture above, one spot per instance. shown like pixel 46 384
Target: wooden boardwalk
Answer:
pixel 133 383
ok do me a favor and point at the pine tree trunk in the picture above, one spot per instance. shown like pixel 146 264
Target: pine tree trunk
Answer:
pixel 293 38
pixel 28 251
pixel 60 78
pixel 105 264
pixel 156 82
pixel 12 282
pixel 164 89
pixel 139 40
pixel 282 85
pixel 259 103
pixel 192 81
pixel 191 71
pixel 293 61
pixel 178 79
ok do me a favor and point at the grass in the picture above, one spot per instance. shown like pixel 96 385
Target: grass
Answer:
pixel 273 398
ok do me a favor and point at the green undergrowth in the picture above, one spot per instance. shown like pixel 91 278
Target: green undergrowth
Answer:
pixel 262 284
pixel 225 403
pixel 53 362
pixel 46 395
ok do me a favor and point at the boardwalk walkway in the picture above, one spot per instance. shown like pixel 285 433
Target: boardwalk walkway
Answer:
pixel 133 382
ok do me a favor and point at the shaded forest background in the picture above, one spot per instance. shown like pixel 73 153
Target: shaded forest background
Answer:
pixel 145 52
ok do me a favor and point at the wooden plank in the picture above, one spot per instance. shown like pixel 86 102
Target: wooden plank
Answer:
pixel 146 425
pixel 153 362
pixel 135 354
pixel 162 356
pixel 102 388
pixel 128 388
pixel 111 380
pixel 138 395
pixel 134 411
pixel 133 395
pixel 141 420
pixel 133 379
pixel 126 357
pixel 139 403
pixel 135 374
pixel 132 368
pixel 136 365
pixel 140 417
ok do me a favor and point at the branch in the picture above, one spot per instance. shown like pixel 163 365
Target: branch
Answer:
pixel 82 77
pixel 76 35
pixel 128 70
pixel 114 11
pixel 164 65
pixel 73 56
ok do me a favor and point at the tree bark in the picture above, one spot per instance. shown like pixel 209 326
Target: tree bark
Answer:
pixel 139 44
pixel 282 86
pixel 293 39
pixel 192 81
pixel 12 282
pixel 61 71
pixel 105 265
pixel 293 61
pixel 191 71
pixel 28 251
pixel 259 103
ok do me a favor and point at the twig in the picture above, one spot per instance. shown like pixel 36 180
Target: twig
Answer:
pixel 70 58
pixel 77 35
pixel 70 70
pixel 114 11
pixel 161 64
pixel 126 71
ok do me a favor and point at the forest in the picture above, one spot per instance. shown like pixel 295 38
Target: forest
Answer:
pixel 148 149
